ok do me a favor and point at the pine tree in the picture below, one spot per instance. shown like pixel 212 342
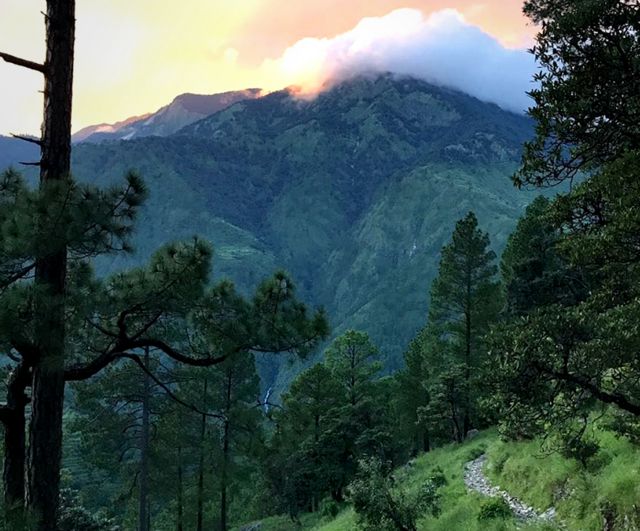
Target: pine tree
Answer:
pixel 465 300
pixel 412 393
pixel 588 52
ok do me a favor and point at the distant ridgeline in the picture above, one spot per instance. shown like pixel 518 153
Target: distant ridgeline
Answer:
pixel 354 192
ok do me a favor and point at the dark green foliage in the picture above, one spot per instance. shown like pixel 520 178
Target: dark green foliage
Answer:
pixel 465 301
pixel 351 358
pixel 577 347
pixel 334 414
pixel 74 517
pixel 534 272
pixel 587 108
pixel 412 396
pixel 383 506
pixel 495 508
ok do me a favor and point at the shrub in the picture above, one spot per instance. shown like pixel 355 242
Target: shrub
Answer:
pixel 583 449
pixel 437 477
pixel 476 451
pixel 495 508
pixel 74 517
pixel 329 508
pixel 381 506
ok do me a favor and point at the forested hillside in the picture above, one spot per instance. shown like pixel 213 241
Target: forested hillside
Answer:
pixel 389 307
pixel 354 192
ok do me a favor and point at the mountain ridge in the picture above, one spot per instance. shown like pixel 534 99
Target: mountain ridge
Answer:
pixel 183 110
pixel 354 192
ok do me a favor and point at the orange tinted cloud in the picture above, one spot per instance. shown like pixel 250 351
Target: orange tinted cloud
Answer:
pixel 135 56
pixel 442 48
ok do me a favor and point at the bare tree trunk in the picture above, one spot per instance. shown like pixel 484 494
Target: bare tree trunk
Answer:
pixel 223 478
pixel 225 456
pixel 14 446
pixel 203 431
pixel 45 443
pixel 143 513
pixel 180 501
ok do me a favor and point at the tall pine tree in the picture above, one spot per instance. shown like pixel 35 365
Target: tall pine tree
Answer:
pixel 465 300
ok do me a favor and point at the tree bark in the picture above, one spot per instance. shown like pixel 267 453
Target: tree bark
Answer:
pixel 225 455
pixel 426 442
pixel 14 446
pixel 203 431
pixel 143 513
pixel 466 422
pixel 45 443
pixel 180 500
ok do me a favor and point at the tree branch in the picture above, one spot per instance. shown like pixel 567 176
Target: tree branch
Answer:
pixel 608 398
pixel 80 371
pixel 31 65
pixel 138 361
pixel 28 139
pixel 172 353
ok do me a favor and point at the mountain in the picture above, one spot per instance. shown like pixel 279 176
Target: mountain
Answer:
pixel 13 151
pixel 354 192
pixel 107 129
pixel 182 111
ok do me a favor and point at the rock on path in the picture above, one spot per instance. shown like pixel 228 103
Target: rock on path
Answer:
pixel 475 479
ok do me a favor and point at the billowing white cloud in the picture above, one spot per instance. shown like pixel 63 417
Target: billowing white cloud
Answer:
pixel 442 49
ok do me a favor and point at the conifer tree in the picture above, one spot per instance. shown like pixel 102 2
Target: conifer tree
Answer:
pixel 465 300
pixel 560 358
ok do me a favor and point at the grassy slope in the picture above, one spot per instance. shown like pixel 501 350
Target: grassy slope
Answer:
pixel 579 495
pixel 541 480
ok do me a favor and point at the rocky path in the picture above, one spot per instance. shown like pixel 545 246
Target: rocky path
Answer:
pixel 475 479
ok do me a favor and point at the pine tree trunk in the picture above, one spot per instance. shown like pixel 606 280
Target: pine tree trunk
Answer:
pixel 14 446
pixel 203 431
pixel 143 513
pixel 223 478
pixel 225 457
pixel 426 443
pixel 180 501
pixel 45 443
pixel 466 422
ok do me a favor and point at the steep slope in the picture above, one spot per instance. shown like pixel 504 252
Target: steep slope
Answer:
pixel 182 111
pixel 354 192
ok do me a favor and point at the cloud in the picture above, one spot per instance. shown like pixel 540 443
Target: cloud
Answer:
pixel 443 49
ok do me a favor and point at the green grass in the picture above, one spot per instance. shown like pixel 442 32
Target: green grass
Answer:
pixel 526 470
pixel 610 483
pixel 460 508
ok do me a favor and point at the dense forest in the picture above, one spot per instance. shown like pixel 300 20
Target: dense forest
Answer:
pixel 133 399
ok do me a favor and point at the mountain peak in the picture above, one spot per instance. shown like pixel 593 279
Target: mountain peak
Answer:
pixel 185 109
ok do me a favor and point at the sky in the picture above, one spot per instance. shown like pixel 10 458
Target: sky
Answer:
pixel 134 56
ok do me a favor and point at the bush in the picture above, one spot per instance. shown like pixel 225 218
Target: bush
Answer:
pixel 581 448
pixel 476 451
pixel 382 506
pixel 329 508
pixel 74 517
pixel 495 508
pixel 437 477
